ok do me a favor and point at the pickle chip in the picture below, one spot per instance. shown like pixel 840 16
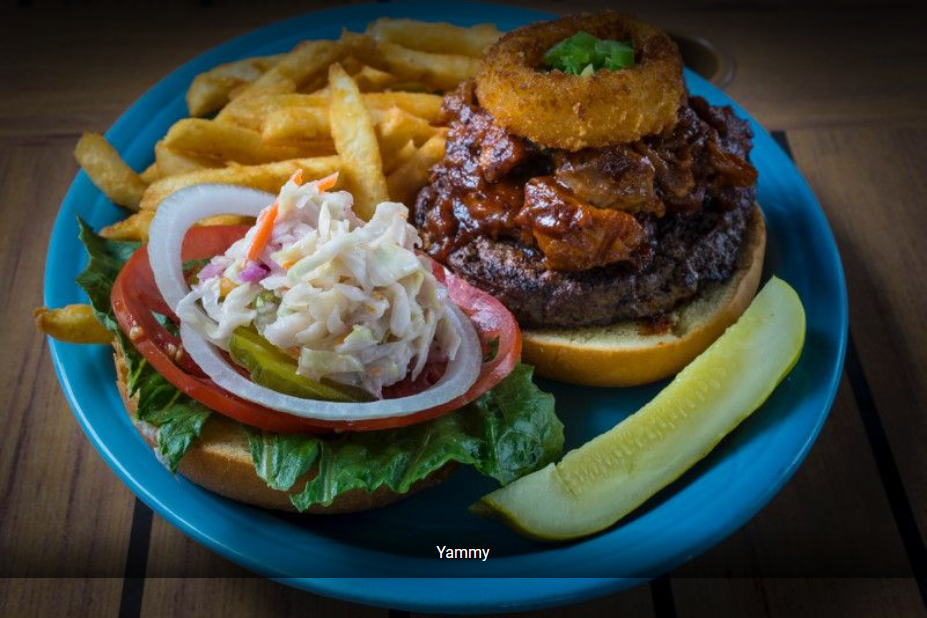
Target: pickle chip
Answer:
pixel 271 367
pixel 600 482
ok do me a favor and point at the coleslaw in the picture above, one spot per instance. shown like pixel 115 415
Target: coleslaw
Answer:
pixel 352 301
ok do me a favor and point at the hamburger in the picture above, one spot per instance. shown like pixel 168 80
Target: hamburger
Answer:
pixel 613 214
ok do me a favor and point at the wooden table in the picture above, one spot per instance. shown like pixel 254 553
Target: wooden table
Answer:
pixel 845 89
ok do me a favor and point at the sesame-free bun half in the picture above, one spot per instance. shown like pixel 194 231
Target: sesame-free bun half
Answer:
pixel 220 461
pixel 628 353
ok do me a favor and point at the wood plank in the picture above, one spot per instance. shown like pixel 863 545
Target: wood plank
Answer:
pixel 63 511
pixel 872 184
pixel 832 519
pixel 243 597
pixel 796 597
pixel 60 597
pixel 106 57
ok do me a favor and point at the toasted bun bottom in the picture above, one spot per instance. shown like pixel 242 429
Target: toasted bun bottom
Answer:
pixel 220 461
pixel 625 354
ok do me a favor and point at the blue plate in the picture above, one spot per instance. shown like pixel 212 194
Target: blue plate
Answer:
pixel 710 502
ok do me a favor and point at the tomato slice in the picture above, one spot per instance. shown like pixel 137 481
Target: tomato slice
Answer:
pixel 135 300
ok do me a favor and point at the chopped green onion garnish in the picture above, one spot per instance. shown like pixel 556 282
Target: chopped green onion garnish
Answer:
pixel 584 54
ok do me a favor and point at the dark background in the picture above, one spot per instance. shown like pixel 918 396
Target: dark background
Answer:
pixel 841 85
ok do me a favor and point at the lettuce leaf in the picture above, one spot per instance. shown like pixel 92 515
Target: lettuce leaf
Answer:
pixel 179 418
pixel 105 258
pixel 508 432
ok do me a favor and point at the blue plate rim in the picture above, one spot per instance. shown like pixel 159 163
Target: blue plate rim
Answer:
pixel 566 590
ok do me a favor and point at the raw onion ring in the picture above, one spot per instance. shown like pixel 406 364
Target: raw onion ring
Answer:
pixel 460 374
pixel 559 110
pixel 179 213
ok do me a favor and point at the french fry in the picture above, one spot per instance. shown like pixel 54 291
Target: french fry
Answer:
pixel 409 177
pixel 210 90
pixel 397 126
pixel 317 84
pixel 356 143
pixel 151 173
pixel 409 86
pixel 295 124
pixel 171 162
pixel 227 220
pixel 267 177
pixel 296 117
pixel 351 65
pixel 363 48
pixel 399 134
pixel 108 171
pixel 289 123
pixel 438 38
pixel 393 159
pixel 133 228
pixel 245 91
pixel 72 324
pixel 427 106
pixel 225 142
pixel 252 112
pixel 249 110
pixel 244 112
pixel 305 62
pixel 369 79
pixel 440 71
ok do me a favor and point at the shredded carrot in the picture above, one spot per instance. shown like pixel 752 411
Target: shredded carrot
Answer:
pixel 267 217
pixel 324 184
pixel 264 226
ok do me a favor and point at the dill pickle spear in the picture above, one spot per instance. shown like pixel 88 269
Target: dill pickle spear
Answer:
pixel 600 482
pixel 271 367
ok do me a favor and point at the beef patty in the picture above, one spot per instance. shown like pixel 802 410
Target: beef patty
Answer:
pixel 570 239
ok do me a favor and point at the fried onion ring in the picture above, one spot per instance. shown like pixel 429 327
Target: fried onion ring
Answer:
pixel 572 112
